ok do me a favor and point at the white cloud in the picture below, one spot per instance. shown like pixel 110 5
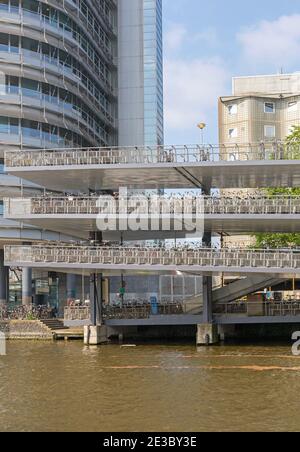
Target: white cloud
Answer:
pixel 207 36
pixel 174 37
pixel 192 89
pixel 177 35
pixel 275 43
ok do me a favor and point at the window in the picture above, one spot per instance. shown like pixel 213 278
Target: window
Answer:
pixel 292 106
pixel 4 124
pixel 4 5
pixel 233 133
pixel 270 132
pixel 3 42
pixel 232 109
pixel 269 107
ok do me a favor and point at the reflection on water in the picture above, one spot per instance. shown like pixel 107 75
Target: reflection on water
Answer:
pixel 68 387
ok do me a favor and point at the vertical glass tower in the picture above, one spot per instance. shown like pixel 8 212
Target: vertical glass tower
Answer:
pixel 140 72
pixel 153 72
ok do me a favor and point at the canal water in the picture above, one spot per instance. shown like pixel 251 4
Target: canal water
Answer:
pixel 68 387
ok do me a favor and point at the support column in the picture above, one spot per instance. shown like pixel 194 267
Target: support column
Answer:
pixel 4 280
pixel 207 332
pixel 96 333
pixel 27 286
pixel 71 287
pixel 93 299
pixel 99 299
pixel 207 299
pixel 96 299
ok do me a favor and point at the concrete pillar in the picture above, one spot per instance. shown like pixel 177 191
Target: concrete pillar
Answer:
pixel 95 335
pixel 207 299
pixel 207 334
pixel 96 299
pixel 4 280
pixel 27 286
pixel 93 301
pixel 99 299
pixel 207 280
pixel 71 287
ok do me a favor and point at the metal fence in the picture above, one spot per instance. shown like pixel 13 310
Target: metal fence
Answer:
pixel 253 309
pixel 126 311
pixel 72 313
pixel 213 205
pixel 152 155
pixel 126 256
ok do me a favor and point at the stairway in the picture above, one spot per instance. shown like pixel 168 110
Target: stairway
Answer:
pixel 233 291
pixel 243 287
pixel 54 324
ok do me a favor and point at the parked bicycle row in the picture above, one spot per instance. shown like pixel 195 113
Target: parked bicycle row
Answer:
pixel 248 203
pixel 31 312
pixel 152 155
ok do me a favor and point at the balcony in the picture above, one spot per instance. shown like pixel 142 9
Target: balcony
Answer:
pixel 245 166
pixel 154 259
pixel 153 155
pixel 230 214
pixel 210 205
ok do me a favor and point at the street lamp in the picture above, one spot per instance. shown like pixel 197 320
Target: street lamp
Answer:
pixel 202 126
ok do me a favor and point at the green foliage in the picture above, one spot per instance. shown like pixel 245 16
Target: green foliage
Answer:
pixel 292 146
pixel 282 192
pixel 277 240
pixel 31 316
pixel 294 137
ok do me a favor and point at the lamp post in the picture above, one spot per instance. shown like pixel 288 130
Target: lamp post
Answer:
pixel 202 126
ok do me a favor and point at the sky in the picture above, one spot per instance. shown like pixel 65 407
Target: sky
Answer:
pixel 208 43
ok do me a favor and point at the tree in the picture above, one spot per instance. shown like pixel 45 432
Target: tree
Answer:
pixel 267 240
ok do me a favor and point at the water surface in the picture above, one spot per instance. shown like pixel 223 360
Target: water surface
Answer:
pixel 68 387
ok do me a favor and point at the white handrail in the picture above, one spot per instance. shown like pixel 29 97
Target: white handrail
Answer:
pixel 168 155
pixel 141 256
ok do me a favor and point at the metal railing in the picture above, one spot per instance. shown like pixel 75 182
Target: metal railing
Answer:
pixel 127 311
pixel 72 313
pixel 102 256
pixel 255 309
pixel 85 205
pixel 152 155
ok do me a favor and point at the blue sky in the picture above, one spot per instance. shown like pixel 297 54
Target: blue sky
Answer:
pixel 207 43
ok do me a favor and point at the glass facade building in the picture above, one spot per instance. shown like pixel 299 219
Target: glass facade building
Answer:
pixel 140 72
pixel 58 73
pixel 92 70
pixel 153 72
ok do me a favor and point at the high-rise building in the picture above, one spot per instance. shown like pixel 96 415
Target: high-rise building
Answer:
pixel 78 73
pixel 140 64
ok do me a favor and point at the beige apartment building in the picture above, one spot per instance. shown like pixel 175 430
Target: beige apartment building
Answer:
pixel 260 109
